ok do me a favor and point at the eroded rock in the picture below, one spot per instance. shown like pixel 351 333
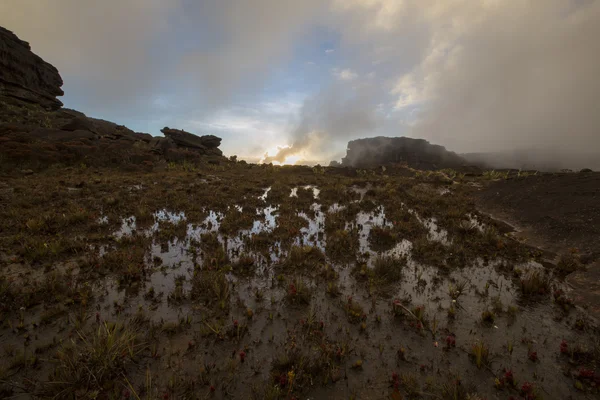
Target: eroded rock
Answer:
pixel 25 76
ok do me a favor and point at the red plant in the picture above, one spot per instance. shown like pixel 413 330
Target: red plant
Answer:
pixel 564 347
pixel 509 377
pixel 212 388
pixel 451 341
pixel 292 290
pixel 586 373
pixel 235 323
pixel 527 388
pixel 282 380
pixel 395 380
pixel 533 356
pixel 242 355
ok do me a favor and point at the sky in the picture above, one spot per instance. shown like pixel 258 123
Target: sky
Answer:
pixel 294 81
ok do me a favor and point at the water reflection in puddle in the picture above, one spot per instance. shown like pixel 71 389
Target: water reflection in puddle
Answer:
pixel 178 257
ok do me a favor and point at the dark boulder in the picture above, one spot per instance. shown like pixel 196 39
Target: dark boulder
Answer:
pixel 24 76
pixel 186 139
pixel 79 123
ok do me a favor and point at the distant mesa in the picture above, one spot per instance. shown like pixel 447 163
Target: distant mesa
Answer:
pixel 36 131
pixel 415 153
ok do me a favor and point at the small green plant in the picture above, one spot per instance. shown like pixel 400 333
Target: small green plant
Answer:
pixel 94 362
pixel 488 317
pixel 480 354
pixel 534 283
pixel 457 290
pixel 389 268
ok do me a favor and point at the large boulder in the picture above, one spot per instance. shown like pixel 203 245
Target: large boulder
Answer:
pixel 24 76
pixel 186 139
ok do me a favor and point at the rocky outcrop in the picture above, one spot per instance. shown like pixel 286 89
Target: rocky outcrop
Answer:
pixel 24 76
pixel 207 144
pixel 415 153
pixel 36 132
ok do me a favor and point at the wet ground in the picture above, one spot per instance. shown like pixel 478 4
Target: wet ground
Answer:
pixel 275 283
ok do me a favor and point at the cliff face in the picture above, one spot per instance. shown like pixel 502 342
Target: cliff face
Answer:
pixel 25 76
pixel 416 153
pixel 35 131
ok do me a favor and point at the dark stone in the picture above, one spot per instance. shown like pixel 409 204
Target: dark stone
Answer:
pixel 160 145
pixel 186 139
pixel 79 123
pixel 25 76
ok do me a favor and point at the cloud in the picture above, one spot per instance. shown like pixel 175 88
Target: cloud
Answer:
pixel 203 53
pixel 334 113
pixel 102 47
pixel 344 74
pixel 471 75
pixel 522 75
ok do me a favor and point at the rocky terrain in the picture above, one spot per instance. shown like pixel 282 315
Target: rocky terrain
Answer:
pixel 36 132
pixel 415 153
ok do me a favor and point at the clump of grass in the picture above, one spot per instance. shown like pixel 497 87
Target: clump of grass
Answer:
pixel 457 290
pixel 354 311
pixel 488 317
pixel 428 251
pixel 568 263
pixel 95 362
pixel 534 283
pixel 236 220
pixel 178 295
pixel 480 354
pixel 244 265
pixel 342 244
pixel 212 287
pixel 304 257
pixel 335 221
pixel 333 289
pixel 389 268
pixel 382 238
pixel 127 263
pixel 298 293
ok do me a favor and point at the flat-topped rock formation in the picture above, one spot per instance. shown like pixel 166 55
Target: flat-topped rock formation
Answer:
pixel 416 153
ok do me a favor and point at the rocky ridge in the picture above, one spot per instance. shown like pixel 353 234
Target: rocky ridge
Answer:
pixel 36 131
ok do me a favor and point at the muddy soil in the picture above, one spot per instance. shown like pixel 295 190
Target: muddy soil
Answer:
pixel 558 211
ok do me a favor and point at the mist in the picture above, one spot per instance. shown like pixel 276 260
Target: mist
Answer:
pixel 522 84
pixel 336 113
